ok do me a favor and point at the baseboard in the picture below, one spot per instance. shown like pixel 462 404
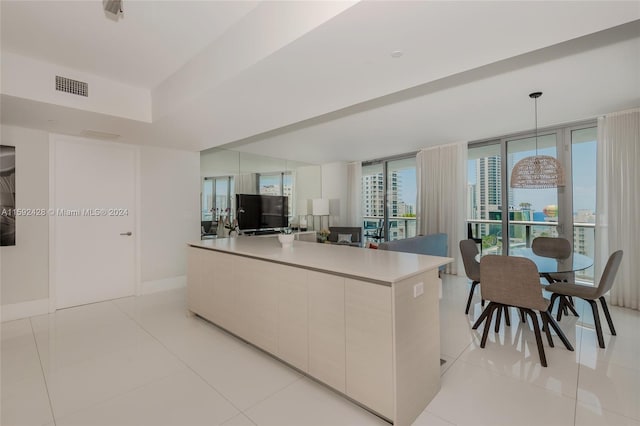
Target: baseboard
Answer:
pixel 21 310
pixel 148 287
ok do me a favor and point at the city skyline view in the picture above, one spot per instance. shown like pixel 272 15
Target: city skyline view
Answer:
pixel 583 171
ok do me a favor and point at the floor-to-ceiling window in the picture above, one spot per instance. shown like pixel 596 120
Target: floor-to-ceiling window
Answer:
pixel 217 197
pixel 389 199
pixel 484 193
pixel 530 209
pixel 277 184
pixel 507 218
pixel 583 167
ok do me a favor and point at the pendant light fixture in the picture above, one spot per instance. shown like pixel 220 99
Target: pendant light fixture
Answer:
pixel 538 171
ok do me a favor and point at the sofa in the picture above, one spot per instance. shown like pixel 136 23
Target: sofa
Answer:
pixel 355 239
pixel 432 245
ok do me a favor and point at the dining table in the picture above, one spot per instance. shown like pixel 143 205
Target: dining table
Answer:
pixel 549 265
pixel 546 266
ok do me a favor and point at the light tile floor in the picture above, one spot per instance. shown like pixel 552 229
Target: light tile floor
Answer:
pixel 143 361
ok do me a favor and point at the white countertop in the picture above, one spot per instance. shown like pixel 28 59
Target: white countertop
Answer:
pixel 380 266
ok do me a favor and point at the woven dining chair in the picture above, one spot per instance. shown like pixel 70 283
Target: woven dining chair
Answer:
pixel 514 281
pixel 555 248
pixel 591 294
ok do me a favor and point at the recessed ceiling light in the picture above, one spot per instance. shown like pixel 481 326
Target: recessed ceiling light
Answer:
pixel 397 53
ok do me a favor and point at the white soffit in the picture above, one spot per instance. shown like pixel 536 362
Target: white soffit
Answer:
pixel 268 28
pixel 488 102
pixel 347 60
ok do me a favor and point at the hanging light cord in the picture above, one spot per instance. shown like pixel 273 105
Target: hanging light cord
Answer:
pixel 536 109
pixel 535 96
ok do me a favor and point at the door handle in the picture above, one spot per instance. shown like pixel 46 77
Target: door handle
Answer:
pixel 128 234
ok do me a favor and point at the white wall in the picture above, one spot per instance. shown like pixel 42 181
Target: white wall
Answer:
pixel 219 163
pixel 169 214
pixel 308 187
pixel 32 79
pixel 334 187
pixel 24 268
pixel 169 211
pixel 224 162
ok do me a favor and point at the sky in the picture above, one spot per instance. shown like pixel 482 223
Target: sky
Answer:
pixel 408 192
pixel 584 180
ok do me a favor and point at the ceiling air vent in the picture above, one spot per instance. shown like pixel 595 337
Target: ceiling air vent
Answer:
pixel 98 135
pixel 75 87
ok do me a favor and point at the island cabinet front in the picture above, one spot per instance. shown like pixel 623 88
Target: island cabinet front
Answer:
pixel 338 330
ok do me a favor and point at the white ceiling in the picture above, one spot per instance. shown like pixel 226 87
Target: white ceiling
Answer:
pixel 147 44
pixel 333 92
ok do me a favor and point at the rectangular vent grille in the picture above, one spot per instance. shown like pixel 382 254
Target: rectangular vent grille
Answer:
pixel 74 87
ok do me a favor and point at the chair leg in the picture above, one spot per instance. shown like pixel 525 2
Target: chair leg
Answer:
pixel 560 308
pixel 490 308
pixel 554 297
pixel 523 317
pixel 596 321
pixel 545 328
pixel 507 317
pixel 482 317
pixel 570 305
pixel 536 330
pixel 498 318
pixel 605 308
pixel 551 322
pixel 473 288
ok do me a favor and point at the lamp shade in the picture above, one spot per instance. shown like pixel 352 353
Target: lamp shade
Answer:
pixel 539 171
pixel 320 207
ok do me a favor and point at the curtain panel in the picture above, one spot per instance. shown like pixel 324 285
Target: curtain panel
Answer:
pixel 618 202
pixel 441 175
pixel 354 194
pixel 246 183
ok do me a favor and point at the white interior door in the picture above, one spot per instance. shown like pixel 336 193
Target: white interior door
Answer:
pixel 93 239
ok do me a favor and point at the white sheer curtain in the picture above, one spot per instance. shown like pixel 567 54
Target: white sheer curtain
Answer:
pixel 441 174
pixel 246 183
pixel 354 194
pixel 618 202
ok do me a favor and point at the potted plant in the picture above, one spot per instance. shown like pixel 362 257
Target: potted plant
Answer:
pixel 286 237
pixel 322 235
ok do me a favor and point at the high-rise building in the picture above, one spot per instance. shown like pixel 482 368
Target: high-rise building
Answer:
pixel 270 189
pixel 488 189
pixel 488 192
pixel 405 209
pixel 373 194
pixel 373 205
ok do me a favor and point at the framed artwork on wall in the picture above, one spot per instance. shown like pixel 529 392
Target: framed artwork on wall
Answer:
pixel 7 195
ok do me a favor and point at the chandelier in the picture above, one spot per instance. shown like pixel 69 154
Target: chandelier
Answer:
pixel 538 171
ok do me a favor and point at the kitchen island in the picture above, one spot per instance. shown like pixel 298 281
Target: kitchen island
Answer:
pixel 363 322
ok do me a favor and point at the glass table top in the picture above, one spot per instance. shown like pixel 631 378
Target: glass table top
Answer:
pixel 548 265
